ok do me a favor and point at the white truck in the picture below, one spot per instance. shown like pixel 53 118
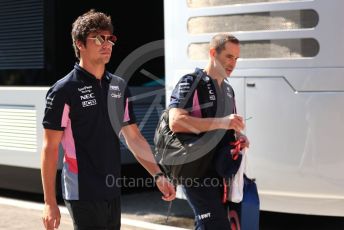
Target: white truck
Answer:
pixel 289 79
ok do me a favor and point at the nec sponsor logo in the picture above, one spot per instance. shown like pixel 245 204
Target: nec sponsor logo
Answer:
pixel 87 96
pixel 89 103
pixel 85 100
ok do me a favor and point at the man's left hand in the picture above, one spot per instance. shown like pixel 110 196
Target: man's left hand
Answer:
pixel 166 188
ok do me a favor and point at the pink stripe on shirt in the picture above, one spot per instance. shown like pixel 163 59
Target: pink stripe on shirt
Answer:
pixel 65 116
pixel 126 113
pixel 72 164
pixel 196 108
pixel 67 141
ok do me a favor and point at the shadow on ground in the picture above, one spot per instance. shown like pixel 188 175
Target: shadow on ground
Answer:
pixel 148 206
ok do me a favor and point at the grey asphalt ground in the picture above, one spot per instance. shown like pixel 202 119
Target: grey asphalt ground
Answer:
pixel 148 207
pixel 145 206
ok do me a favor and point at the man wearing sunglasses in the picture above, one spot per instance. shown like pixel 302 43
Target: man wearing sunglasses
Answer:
pixel 77 116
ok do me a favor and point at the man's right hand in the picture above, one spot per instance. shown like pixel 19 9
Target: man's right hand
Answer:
pixel 51 216
pixel 234 121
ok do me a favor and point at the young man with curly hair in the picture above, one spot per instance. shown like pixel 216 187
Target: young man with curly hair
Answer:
pixel 77 116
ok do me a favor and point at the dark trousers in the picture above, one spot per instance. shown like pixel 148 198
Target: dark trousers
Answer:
pixel 206 203
pixel 95 215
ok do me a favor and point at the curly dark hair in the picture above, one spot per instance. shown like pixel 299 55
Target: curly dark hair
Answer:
pixel 87 23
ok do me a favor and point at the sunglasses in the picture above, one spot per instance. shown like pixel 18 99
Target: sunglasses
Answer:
pixel 100 39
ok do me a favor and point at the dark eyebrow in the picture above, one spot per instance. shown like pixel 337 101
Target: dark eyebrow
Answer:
pixel 232 56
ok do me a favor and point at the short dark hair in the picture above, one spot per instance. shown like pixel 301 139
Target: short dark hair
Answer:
pixel 87 23
pixel 219 41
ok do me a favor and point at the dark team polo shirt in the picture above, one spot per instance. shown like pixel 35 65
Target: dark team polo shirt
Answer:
pixel 78 105
pixel 207 100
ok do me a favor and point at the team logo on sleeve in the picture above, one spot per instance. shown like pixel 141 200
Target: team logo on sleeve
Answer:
pixel 184 87
pixel 114 87
pixel 115 91
pixel 229 92
pixel 49 102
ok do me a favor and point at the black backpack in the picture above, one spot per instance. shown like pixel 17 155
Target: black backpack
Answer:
pixel 179 155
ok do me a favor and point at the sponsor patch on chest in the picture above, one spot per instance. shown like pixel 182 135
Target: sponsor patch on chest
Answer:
pixel 87 97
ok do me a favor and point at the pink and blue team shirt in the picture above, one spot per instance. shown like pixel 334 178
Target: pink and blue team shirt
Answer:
pixel 78 105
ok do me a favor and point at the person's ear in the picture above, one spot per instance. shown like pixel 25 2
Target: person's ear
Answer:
pixel 79 44
pixel 212 53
